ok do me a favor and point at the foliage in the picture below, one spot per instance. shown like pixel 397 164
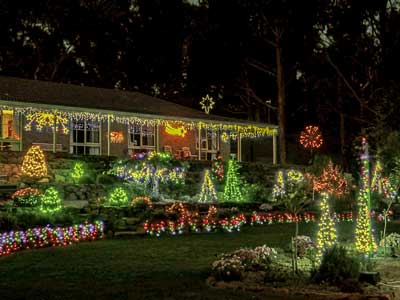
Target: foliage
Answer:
pixel 34 163
pixel 50 201
pixel 337 266
pixel 392 241
pixel 106 179
pixel 290 190
pixel 78 171
pixel 142 203
pixel 87 179
pixel 232 265
pixel 150 171
pixel 117 197
pixel 304 245
pixel 26 197
pixel 233 184
pixel 257 192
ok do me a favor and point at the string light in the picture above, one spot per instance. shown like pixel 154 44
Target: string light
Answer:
pixel 142 199
pixel 365 242
pixel 207 103
pixel 330 181
pixel 50 201
pixel 40 237
pixel 326 236
pixel 245 130
pixel 225 137
pixel 77 171
pixel 311 137
pixel 43 119
pixel 232 186
pixel 116 137
pixel 27 197
pixel 218 168
pixel 178 130
pixel 207 193
pixel 34 163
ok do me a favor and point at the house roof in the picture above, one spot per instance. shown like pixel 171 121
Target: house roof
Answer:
pixel 92 98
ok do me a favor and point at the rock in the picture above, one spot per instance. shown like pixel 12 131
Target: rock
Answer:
pixel 44 180
pixel 76 204
pixel 71 197
pixel 369 277
pixel 59 178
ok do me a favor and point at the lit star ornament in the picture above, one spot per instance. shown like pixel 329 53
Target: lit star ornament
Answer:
pixel 207 103
pixel 311 137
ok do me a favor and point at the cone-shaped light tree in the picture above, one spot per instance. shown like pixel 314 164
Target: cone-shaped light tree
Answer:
pixel 365 242
pixel 207 193
pixel 326 237
pixel 232 190
pixel 34 163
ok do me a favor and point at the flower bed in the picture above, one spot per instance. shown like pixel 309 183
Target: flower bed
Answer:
pixel 40 237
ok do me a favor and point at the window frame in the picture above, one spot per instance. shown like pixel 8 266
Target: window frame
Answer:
pixel 85 144
pixel 132 146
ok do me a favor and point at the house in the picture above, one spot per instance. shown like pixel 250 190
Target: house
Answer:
pixel 96 121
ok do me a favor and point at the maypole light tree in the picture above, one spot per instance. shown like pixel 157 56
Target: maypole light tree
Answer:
pixel 34 163
pixel 365 242
pixel 207 193
pixel 232 190
pixel 326 237
pixel 50 201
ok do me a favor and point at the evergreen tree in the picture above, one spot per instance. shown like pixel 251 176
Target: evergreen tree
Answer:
pixel 232 185
pixel 326 237
pixel 34 163
pixel 207 193
pixel 50 201
pixel 365 242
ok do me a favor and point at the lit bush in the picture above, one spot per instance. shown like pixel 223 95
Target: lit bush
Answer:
pixel 50 201
pixel 27 197
pixel 118 197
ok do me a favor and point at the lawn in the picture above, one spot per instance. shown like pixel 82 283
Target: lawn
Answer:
pixel 170 267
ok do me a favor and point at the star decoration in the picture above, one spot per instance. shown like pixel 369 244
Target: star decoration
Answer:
pixel 207 103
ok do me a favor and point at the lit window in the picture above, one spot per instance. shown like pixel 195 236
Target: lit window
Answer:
pixel 141 136
pixel 85 137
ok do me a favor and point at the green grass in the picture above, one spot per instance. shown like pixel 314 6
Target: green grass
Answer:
pixel 170 267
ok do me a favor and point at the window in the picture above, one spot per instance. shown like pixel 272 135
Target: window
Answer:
pixel 9 131
pixel 209 143
pixel 85 137
pixel 141 137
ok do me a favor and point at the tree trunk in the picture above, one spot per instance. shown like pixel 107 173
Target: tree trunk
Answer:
pixel 281 99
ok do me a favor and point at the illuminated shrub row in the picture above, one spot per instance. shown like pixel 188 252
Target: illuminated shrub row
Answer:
pixel 48 203
pixel 47 236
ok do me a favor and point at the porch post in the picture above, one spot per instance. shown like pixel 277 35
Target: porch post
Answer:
pixel 157 138
pixel 239 147
pixel 274 149
pixel 54 132
pixel 108 135
pixel 199 137
pixel 20 130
